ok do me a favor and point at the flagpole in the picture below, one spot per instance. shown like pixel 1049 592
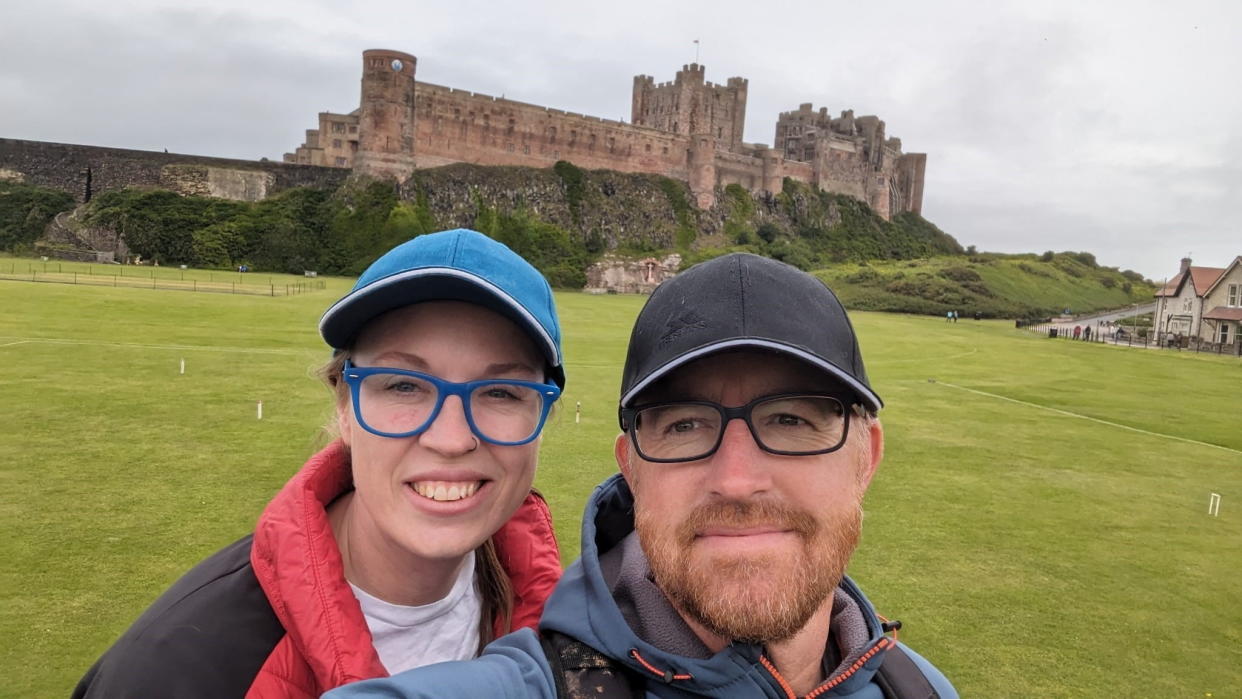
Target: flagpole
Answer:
pixel 696 50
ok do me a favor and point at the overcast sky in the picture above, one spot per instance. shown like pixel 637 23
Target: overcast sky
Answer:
pixel 1106 127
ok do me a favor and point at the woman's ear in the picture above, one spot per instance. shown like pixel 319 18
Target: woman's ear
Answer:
pixel 344 425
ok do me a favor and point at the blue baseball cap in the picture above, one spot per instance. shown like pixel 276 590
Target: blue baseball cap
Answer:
pixel 456 265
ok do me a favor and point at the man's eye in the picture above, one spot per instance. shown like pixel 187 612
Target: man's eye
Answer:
pixel 682 426
pixel 789 420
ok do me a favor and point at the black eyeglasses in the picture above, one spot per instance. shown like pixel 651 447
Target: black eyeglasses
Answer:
pixel 787 424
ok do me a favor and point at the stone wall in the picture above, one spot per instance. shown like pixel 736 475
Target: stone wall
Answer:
pixel 456 126
pixel 84 171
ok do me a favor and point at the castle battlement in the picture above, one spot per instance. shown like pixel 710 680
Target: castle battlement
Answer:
pixel 686 128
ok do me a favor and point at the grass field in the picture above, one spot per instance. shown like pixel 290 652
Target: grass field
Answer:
pixel 1039 522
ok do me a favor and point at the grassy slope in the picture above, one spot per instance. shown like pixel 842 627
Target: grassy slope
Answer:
pixel 1029 553
pixel 1017 285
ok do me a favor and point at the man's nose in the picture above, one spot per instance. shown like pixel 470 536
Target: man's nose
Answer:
pixel 738 468
pixel 449 434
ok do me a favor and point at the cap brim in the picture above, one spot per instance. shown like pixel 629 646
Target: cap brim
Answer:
pixel 342 322
pixel 865 394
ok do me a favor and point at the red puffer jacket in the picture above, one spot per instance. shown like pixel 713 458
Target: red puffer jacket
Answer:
pixel 273 616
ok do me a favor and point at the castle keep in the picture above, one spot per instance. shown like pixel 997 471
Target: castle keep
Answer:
pixel 688 129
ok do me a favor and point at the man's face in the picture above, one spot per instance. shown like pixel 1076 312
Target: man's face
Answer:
pixel 746 543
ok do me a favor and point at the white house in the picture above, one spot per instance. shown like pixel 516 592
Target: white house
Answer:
pixel 1202 302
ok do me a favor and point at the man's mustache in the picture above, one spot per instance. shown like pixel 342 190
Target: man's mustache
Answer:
pixel 745 514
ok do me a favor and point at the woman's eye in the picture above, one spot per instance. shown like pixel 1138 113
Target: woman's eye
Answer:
pixel 500 393
pixel 403 387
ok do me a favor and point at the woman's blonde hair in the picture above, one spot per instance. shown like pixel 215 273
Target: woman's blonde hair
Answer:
pixel 495 588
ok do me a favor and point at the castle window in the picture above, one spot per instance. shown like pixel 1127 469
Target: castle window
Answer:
pixel 336 143
pixel 512 147
pixel 353 129
pixel 456 113
pixel 719 132
pixel 512 124
pixel 665 150
pixel 340 162
pixel 612 143
pixel 551 134
pixel 591 142
pixel 648 147
pixel 526 150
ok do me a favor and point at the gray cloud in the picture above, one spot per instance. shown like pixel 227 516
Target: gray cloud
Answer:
pixel 1106 127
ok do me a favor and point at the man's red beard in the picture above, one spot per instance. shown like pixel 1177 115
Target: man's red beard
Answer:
pixel 756 598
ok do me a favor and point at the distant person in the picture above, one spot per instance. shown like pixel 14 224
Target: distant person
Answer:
pixel 413 538
pixel 1086 333
pixel 1077 331
pixel 714 564
pixel 948 316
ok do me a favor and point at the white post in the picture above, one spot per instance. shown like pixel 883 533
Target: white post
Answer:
pixel 578 413
pixel 1214 505
pixel 260 410
pixel 183 366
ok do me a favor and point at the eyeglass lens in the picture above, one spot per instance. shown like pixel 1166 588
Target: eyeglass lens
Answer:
pixel 687 431
pixel 399 403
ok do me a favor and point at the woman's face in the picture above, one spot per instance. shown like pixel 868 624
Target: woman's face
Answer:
pixel 410 490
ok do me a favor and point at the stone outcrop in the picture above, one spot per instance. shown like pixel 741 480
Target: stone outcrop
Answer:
pixel 615 274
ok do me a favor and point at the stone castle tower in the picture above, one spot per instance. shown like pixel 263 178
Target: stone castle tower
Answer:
pixel 386 115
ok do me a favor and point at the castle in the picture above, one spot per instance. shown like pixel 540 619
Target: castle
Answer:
pixel 687 129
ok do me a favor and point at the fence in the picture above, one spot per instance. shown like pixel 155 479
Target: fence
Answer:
pixel 153 278
pixel 1119 335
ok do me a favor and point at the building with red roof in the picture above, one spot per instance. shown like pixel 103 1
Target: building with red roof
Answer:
pixel 1202 302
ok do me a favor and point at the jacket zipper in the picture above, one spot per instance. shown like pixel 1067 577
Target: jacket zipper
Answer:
pixel 883 644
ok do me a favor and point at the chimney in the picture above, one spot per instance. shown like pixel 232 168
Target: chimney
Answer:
pixel 1185 264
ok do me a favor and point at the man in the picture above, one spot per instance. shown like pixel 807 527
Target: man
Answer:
pixel 713 564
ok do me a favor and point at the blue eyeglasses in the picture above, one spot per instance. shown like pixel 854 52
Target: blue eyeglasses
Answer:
pixel 400 403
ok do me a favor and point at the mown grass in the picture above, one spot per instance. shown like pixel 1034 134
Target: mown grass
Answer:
pixel 1029 552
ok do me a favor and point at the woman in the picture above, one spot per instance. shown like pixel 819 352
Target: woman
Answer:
pixel 413 538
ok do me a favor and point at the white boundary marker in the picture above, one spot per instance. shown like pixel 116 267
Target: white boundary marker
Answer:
pixel 1214 505
pixel 1088 417
pixel 260 410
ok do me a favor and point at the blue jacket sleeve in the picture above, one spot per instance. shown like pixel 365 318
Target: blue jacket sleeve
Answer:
pixel 938 681
pixel 511 667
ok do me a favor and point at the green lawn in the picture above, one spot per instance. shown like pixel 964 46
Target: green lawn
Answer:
pixel 1028 551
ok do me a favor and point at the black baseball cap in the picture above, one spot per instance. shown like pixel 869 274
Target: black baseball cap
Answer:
pixel 743 301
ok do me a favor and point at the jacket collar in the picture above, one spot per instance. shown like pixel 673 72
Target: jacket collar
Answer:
pixel 298 565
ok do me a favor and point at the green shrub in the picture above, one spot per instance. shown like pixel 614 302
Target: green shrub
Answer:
pixel 960 274
pixel 575 188
pixel 25 211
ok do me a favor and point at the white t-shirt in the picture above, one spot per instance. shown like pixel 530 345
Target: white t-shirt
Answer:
pixel 409 637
